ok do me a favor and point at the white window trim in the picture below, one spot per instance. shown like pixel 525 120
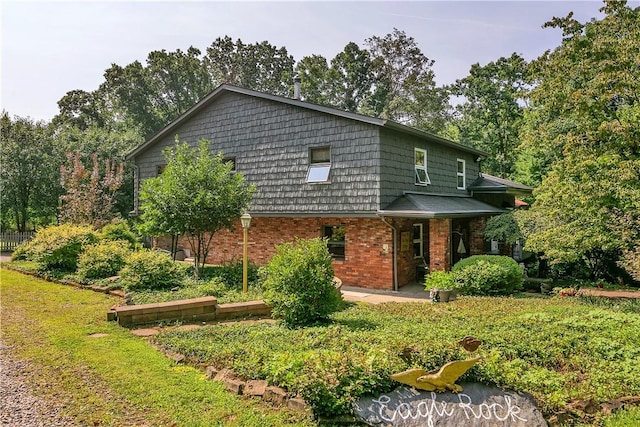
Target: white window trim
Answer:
pixel 420 167
pixel 420 240
pixel 462 174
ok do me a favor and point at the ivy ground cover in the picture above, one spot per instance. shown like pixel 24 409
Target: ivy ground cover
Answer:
pixel 558 349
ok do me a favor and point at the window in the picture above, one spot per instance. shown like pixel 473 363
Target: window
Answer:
pixel 461 174
pixel 335 240
pixel 160 169
pixel 319 164
pixel 231 160
pixel 422 177
pixel 417 241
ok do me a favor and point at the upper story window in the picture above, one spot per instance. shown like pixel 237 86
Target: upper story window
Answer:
pixel 422 177
pixel 335 235
pixel 231 160
pixel 160 169
pixel 319 164
pixel 461 175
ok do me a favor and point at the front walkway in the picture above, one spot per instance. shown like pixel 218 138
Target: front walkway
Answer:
pixel 411 293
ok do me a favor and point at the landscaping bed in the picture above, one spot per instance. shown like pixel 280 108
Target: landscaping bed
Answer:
pixel 561 350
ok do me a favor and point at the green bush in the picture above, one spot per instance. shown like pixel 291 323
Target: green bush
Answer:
pixel 439 280
pixel 103 260
pixel 151 270
pixel 57 247
pixel 119 230
pixel 299 283
pixel 487 275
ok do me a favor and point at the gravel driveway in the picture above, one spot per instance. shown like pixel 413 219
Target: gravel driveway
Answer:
pixel 18 407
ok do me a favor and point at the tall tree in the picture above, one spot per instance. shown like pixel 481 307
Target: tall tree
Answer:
pixel 29 186
pixel 351 78
pixel 315 80
pixel 153 95
pixel 196 195
pixel 257 66
pixel 491 115
pixel 587 128
pixel 404 88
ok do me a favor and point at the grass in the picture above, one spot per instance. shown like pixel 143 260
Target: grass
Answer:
pixel 558 349
pixel 117 380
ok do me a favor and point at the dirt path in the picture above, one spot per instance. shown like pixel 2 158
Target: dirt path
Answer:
pixel 609 293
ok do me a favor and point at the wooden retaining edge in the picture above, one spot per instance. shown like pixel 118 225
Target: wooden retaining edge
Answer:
pixel 190 310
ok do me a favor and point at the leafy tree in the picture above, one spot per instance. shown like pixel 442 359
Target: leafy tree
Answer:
pixel 315 79
pixel 90 194
pixel 196 195
pixel 153 95
pixel 586 126
pixel 492 112
pixel 404 88
pixel 257 66
pixel 503 228
pixel 351 78
pixel 29 186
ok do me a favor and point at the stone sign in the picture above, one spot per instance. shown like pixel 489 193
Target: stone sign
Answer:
pixel 477 406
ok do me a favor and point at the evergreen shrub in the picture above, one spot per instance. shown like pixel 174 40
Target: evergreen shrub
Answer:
pixel 118 230
pixel 151 270
pixel 57 247
pixel 487 275
pixel 299 283
pixel 104 259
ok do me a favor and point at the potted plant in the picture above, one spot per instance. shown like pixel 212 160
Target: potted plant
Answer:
pixel 440 285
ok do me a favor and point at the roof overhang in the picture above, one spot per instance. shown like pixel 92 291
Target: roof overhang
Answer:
pixel 489 184
pixel 413 205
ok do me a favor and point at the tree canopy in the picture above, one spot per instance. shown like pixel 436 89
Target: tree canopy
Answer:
pixel 196 195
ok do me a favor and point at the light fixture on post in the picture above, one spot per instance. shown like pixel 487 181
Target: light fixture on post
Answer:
pixel 245 220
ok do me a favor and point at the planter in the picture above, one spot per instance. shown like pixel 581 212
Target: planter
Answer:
pixel 444 295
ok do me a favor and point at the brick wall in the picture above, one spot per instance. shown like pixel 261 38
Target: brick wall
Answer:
pixel 366 264
pixel 476 235
pixel 440 244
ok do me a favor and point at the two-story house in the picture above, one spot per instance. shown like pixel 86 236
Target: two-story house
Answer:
pixel 389 198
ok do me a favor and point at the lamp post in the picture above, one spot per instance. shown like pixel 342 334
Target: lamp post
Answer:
pixel 245 220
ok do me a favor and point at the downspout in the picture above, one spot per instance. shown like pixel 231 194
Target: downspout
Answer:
pixel 136 190
pixel 395 253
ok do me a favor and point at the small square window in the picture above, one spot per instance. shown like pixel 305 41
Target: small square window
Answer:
pixel 160 169
pixel 231 160
pixel 335 235
pixel 420 167
pixel 461 172
pixel 319 164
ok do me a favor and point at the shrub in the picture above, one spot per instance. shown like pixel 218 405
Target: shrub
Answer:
pixel 439 280
pixel 487 275
pixel 299 283
pixel 150 270
pixel 57 247
pixel 119 230
pixel 103 260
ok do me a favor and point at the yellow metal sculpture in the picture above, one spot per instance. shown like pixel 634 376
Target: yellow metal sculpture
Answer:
pixel 437 380
pixel 444 378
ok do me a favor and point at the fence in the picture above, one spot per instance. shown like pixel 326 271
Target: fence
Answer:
pixel 9 240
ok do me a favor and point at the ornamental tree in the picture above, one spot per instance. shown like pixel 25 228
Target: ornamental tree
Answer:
pixel 196 195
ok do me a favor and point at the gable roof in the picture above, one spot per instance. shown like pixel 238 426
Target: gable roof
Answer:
pixel 492 184
pixel 225 88
pixel 417 205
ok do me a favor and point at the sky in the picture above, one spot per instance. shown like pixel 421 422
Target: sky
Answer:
pixel 51 47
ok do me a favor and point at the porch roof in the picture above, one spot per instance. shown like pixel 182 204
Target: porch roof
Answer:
pixel 430 206
pixel 492 184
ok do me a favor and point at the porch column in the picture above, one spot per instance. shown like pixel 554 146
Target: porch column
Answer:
pixel 440 244
pixel 476 235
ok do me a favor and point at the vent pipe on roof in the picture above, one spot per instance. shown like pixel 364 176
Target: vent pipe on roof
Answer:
pixel 296 87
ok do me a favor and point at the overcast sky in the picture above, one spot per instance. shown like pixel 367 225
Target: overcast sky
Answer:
pixel 52 47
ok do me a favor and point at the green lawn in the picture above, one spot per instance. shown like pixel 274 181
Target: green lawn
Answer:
pixel 116 380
